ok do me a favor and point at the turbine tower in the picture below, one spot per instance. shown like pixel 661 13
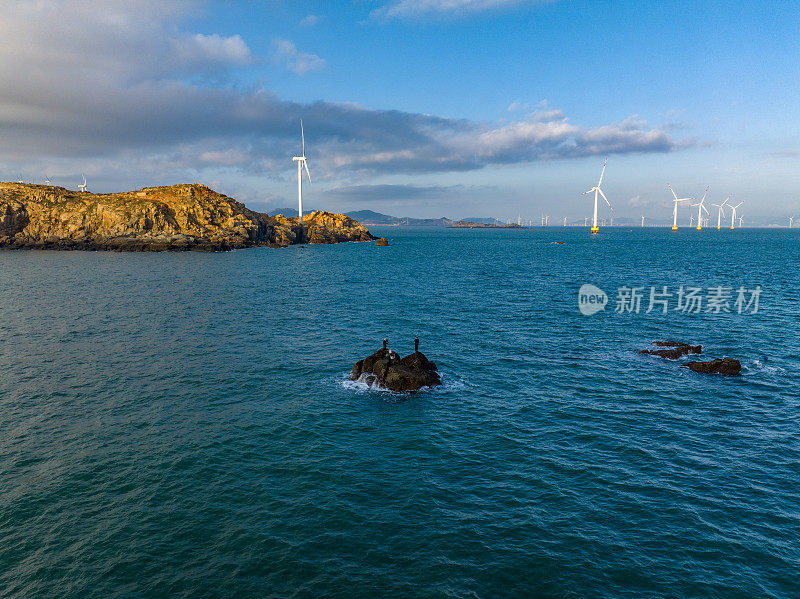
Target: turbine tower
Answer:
pixel 791 219
pixel 720 211
pixel 596 189
pixel 675 208
pixel 301 163
pixel 83 187
pixel 733 214
pixel 700 209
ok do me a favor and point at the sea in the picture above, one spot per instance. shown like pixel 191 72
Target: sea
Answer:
pixel 183 424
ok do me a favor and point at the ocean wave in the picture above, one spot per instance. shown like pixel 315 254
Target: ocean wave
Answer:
pixel 758 366
pixel 366 384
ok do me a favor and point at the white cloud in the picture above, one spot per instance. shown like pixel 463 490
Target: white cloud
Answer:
pixel 286 53
pixel 404 9
pixel 309 21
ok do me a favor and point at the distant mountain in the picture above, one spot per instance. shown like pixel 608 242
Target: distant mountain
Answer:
pixel 370 217
pixel 287 212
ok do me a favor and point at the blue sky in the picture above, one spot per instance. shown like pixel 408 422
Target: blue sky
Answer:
pixel 411 107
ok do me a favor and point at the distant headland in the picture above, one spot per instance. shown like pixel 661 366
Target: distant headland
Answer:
pixel 465 224
pixel 176 217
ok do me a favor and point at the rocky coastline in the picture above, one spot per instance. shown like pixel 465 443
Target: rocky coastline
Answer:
pixel 173 218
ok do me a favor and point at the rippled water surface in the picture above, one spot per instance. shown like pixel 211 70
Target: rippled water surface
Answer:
pixel 179 424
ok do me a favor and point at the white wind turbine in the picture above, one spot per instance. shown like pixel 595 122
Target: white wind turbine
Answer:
pixel 740 221
pixel 83 186
pixel 700 209
pixel 733 214
pixel 46 180
pixel 675 208
pixel 596 189
pixel 301 163
pixel 791 219
pixel 721 211
pixel 643 222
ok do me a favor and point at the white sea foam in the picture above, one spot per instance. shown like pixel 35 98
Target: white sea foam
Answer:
pixel 757 366
pixel 366 383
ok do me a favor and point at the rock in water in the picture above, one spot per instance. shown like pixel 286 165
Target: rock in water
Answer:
pixel 388 370
pixel 178 217
pixel 727 366
pixel 677 349
pixel 382 241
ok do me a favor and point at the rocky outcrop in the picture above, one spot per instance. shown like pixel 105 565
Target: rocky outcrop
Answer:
pixel 727 366
pixel 382 242
pixel 388 370
pixel 178 217
pixel 675 351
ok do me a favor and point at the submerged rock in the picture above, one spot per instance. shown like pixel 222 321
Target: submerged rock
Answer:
pixel 675 351
pixel 727 366
pixel 385 368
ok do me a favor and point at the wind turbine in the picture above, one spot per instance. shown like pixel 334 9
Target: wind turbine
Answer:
pixel 720 211
pixel 700 209
pixel 642 222
pixel 740 221
pixel 585 218
pixel 596 189
pixel 46 180
pixel 83 186
pixel 675 208
pixel 733 215
pixel 791 218
pixel 301 163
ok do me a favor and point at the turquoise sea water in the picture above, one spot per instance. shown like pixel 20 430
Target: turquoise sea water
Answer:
pixel 180 424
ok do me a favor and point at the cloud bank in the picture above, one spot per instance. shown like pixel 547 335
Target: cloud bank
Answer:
pixel 120 84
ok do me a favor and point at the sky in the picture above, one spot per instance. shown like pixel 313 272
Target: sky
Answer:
pixel 421 108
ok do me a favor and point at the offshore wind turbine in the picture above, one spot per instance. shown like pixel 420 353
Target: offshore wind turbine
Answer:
pixel 643 222
pixel 720 211
pixel 596 189
pixel 700 209
pixel 791 218
pixel 301 163
pixel 675 208
pixel 733 215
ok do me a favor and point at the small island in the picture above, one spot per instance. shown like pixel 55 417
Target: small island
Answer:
pixel 464 224
pixel 176 217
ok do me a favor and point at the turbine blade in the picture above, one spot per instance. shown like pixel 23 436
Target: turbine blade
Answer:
pixel 305 164
pixel 673 193
pixel 585 192
pixel 303 137
pixel 603 172
pixel 606 199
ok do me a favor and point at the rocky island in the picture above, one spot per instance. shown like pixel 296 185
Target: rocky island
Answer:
pixel 387 370
pixel 177 217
